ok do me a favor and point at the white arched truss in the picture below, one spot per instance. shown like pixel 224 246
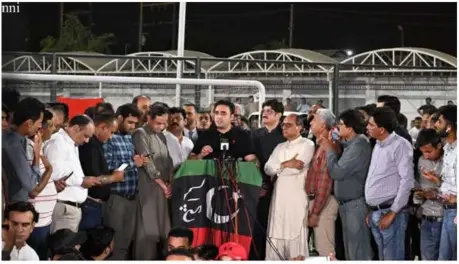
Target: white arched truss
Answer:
pixel 28 64
pixel 430 60
pixel 153 65
pixel 282 61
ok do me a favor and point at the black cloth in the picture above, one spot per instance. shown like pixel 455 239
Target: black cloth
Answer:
pixel 239 143
pixel 264 143
pixel 93 162
pixel 6 255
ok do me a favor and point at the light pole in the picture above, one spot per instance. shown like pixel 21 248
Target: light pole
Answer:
pixel 180 49
pixel 402 35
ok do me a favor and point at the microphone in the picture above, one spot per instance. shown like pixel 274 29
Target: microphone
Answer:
pixel 224 146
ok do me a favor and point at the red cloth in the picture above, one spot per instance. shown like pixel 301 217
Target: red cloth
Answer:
pixel 318 182
pixel 77 106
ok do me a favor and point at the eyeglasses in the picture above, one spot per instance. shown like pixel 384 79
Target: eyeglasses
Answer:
pixel 287 125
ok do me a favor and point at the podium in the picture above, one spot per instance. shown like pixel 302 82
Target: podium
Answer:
pixel 216 200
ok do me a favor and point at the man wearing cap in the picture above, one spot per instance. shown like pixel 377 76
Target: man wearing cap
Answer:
pixel 231 251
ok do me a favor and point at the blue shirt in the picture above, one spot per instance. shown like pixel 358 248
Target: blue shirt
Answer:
pixel 120 150
pixel 22 178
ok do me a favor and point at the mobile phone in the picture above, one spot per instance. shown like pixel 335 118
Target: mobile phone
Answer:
pixel 335 134
pixel 66 177
pixel 123 167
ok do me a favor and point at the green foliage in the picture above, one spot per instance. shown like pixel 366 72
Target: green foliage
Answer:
pixel 76 37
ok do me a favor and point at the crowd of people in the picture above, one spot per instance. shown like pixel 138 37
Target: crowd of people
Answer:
pixel 355 186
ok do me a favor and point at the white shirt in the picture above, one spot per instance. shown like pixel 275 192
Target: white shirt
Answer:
pixel 194 133
pixel 179 151
pixel 449 169
pixel 25 253
pixel 414 132
pixel 289 205
pixel 63 156
pixel 45 202
pixel 303 108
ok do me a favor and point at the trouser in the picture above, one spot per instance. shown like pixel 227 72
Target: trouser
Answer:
pixel 286 249
pixel 120 214
pixel 356 234
pixel 390 241
pixel 65 216
pixel 412 237
pixel 430 237
pixel 448 239
pixel 258 246
pixel 91 214
pixel 38 241
pixel 324 233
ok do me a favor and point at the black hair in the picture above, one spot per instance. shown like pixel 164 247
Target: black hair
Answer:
pixel 90 111
pixel 206 251
pixel 21 207
pixel 10 98
pixel 369 108
pixel 390 101
pixel 418 118
pixel 429 110
pixel 226 103
pixel 428 136
pixel 105 117
pixel 104 107
pixel 275 105
pixel 192 105
pixel 61 107
pixel 161 104
pixel 449 113
pixel 385 117
pixel 80 120
pixel 428 99
pixel 180 252
pixel 177 110
pixel 6 110
pixel 128 110
pixel 181 232
pixel 402 120
pixel 47 116
pixel 354 119
pixel 136 99
pixel 157 111
pixel 30 109
pixel 98 240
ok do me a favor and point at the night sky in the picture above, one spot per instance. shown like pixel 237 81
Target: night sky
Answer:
pixel 225 29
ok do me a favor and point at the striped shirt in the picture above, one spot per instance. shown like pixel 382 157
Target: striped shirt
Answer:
pixel 120 150
pixel 391 173
pixel 45 202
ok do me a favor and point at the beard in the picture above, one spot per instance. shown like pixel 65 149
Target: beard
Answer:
pixel 443 133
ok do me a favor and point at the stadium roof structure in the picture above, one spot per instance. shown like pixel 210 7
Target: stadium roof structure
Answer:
pixel 430 60
pixel 277 61
pixel 281 61
pixel 145 65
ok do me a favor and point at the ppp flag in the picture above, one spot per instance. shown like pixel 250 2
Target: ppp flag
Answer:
pixel 206 201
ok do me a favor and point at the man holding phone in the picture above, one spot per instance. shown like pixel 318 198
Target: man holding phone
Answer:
pixel 93 162
pixel 429 142
pixel 349 172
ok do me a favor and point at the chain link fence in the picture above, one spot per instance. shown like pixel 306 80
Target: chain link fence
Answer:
pixel 338 86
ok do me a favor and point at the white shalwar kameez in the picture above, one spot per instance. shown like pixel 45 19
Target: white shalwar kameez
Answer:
pixel 288 213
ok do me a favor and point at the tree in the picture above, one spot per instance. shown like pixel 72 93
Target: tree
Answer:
pixel 272 45
pixel 76 37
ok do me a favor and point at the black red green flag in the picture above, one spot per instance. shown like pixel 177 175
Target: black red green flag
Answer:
pixel 218 203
